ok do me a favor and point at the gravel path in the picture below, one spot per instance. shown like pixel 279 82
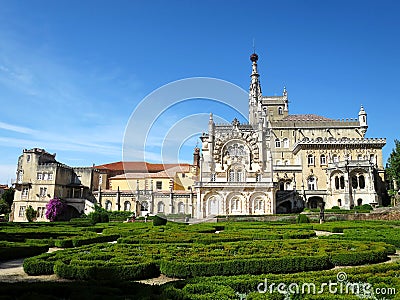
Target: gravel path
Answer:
pixel 324 233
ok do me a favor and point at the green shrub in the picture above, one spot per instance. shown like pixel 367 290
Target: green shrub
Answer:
pixel 206 291
pixel 180 269
pixel 38 265
pixel 76 242
pixel 159 221
pixel 119 215
pixel 335 207
pixel 10 250
pixel 30 213
pixel 98 217
pixel 302 219
pixel 106 271
pixel 364 207
pixel 65 243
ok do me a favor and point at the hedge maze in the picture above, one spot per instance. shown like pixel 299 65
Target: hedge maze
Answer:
pixel 213 260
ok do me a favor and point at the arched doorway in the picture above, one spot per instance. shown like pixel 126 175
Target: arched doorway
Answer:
pixel 284 207
pixel 314 202
pixel 144 208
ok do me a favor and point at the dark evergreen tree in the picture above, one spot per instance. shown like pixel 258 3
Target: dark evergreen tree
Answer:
pixel 393 166
pixel 8 196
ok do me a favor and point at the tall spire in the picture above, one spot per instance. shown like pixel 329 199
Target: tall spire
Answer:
pixel 254 92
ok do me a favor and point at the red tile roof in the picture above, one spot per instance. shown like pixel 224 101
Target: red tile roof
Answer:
pixel 168 173
pixel 308 117
pixel 138 167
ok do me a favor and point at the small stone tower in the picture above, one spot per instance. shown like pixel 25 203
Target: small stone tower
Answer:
pixel 362 118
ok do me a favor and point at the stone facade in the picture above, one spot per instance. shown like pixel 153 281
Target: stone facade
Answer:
pixel 280 162
pixel 148 189
pixel 40 177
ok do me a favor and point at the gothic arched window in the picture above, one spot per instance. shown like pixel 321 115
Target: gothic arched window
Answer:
pixel 144 206
pixel 108 205
pixel 236 174
pixel 160 207
pixel 285 143
pixel 127 206
pixel 312 183
pixel 258 204
pixel 310 159
pixel 235 204
pixel 323 159
pixel 181 208
pixel 277 143
pixel 341 182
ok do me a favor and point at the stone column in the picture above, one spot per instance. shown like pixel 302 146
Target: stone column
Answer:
pixel 171 198
pixel 100 195
pixel 118 199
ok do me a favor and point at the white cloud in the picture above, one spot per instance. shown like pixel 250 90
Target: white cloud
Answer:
pixel 16 128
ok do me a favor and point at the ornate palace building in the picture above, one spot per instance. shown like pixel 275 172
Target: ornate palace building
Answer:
pixel 279 163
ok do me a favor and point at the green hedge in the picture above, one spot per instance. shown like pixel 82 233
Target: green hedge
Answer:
pixel 358 258
pixel 85 240
pixel 388 235
pixel 44 290
pixel 105 271
pixel 204 291
pixel 65 243
pixel 159 220
pixel 76 242
pixel 10 250
pixel 191 260
pixel 383 275
pixel 181 269
pixel 38 265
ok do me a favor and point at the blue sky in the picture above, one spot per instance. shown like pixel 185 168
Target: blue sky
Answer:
pixel 72 72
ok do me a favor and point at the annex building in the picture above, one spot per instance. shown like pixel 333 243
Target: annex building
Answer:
pixel 276 163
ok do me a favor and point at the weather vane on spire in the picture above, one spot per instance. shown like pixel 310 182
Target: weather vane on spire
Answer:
pixel 254 46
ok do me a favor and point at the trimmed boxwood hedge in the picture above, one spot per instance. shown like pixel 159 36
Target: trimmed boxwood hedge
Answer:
pixel 388 235
pixel 80 290
pixel 76 242
pixel 10 250
pixel 39 265
pixel 206 291
pixel 383 275
pixel 96 270
pixel 180 269
pixel 127 262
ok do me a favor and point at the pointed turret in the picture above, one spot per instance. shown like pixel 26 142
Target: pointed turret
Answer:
pixel 285 98
pixel 196 158
pixel 211 125
pixel 254 92
pixel 362 118
pixel 211 137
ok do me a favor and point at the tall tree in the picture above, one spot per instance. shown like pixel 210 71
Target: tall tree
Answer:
pixel 8 196
pixel 393 165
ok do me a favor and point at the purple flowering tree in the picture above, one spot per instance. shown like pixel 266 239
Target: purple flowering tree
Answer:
pixel 54 209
